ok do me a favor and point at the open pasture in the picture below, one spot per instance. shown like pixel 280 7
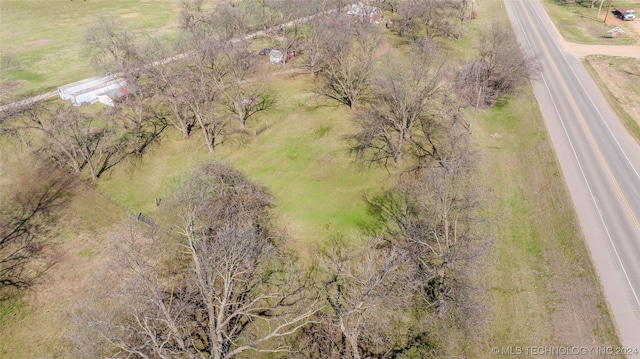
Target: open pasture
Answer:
pixel 41 42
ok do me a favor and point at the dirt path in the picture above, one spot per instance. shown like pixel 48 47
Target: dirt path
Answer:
pixel 581 50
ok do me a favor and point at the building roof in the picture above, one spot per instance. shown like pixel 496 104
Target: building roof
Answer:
pixel 362 10
pixel 94 89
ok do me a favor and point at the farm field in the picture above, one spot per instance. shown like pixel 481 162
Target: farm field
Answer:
pixel 41 42
pixel 537 266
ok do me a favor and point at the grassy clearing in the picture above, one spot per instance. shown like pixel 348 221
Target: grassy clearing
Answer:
pixel 44 39
pixel 618 79
pixel 578 23
pixel 302 158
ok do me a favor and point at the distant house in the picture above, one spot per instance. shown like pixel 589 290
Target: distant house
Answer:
pixel 372 14
pixel 103 89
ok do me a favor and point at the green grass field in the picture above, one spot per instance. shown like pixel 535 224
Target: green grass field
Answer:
pixel 302 158
pixel 41 42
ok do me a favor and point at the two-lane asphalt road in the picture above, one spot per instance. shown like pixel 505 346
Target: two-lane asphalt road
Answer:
pixel 599 160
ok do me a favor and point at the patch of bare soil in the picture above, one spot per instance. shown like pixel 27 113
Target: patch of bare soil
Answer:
pixel 622 78
pixel 36 43
pixel 9 86
pixel 634 26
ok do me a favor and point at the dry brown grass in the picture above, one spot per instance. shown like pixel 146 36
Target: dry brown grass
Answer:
pixel 35 326
pixel 619 79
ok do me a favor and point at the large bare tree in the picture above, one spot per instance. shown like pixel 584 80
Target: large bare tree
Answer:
pixel 406 113
pixel 65 135
pixel 433 214
pixel 221 287
pixel 366 284
pixel 140 120
pixel 349 61
pixel 500 67
pixel 318 39
pixel 82 143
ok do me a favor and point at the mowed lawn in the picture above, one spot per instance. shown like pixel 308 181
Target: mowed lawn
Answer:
pixel 302 157
pixel 41 42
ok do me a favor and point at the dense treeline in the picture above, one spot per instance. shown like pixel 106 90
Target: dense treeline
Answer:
pixel 213 276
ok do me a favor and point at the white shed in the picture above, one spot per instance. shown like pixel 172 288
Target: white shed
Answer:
pixel 372 13
pixel 276 57
pixel 103 89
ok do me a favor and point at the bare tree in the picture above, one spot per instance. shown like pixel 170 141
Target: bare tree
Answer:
pixel 500 68
pixel 433 214
pixel 165 81
pixel 432 19
pixel 461 12
pixel 242 91
pixel 324 34
pixel 349 62
pixel 62 133
pixel 80 143
pixel 141 120
pixel 227 21
pixel 112 47
pixel 245 102
pixel 408 20
pixel 200 89
pixel 27 216
pixel 224 286
pixel 406 113
pixel 366 284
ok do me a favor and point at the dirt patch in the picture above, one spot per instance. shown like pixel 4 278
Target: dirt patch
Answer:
pixel 130 15
pixel 384 48
pixel 9 86
pixel 36 43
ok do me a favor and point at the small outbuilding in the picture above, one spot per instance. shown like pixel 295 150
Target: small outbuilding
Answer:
pixel 103 89
pixel 276 57
pixel 372 14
